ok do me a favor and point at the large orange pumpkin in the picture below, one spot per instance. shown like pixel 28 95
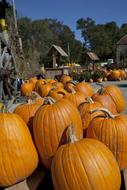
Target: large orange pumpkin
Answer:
pixel 85 165
pixel 112 131
pixel 49 127
pixel 117 96
pixel 105 100
pixel 18 156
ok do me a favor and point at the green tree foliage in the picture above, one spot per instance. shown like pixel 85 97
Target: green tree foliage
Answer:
pixel 101 38
pixel 39 35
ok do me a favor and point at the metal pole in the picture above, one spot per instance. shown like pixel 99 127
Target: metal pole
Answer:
pixel 68 48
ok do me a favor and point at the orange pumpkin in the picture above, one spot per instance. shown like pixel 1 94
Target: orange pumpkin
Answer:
pixel 26 88
pixel 75 97
pixel 58 85
pixel 90 80
pixel 112 131
pixel 85 109
pixel 99 80
pixel 39 83
pixel 49 127
pixel 117 96
pixel 57 94
pixel 85 88
pixel 69 85
pixel 44 89
pixel 85 165
pixel 65 78
pixel 27 111
pixel 115 74
pixel 105 100
pixel 18 156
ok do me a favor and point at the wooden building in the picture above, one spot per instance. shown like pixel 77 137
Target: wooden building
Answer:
pixel 91 59
pixel 56 52
pixel 121 51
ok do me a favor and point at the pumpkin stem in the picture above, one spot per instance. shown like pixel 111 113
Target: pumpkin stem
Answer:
pixel 30 101
pixel 108 113
pixel 34 96
pixel 71 138
pixel 62 93
pixel 89 100
pixel 49 100
pixel 72 81
pixel 3 109
pixel 73 90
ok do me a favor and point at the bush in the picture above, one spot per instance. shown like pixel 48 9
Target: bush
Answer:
pixel 86 75
pixel 98 74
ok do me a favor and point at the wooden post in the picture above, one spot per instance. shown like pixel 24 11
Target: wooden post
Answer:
pixel 54 60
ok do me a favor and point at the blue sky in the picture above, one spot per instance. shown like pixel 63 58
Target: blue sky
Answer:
pixel 69 11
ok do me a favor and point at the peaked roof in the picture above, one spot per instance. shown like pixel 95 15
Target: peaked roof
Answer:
pixel 123 40
pixel 93 56
pixel 59 50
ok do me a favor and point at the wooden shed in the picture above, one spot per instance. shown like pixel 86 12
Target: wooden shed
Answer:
pixel 121 51
pixel 90 59
pixel 56 52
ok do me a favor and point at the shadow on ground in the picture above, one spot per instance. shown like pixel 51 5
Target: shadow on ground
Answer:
pixel 122 85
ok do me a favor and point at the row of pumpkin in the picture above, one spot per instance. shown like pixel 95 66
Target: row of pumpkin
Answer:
pixel 70 126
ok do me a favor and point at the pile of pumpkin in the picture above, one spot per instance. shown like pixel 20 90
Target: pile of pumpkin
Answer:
pixel 116 74
pixel 78 134
pixel 111 75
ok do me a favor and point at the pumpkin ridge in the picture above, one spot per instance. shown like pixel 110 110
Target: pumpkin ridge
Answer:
pixel 3 160
pixel 17 143
pixel 47 136
pixel 105 160
pixel 89 150
pixel 64 172
pixel 36 134
pixel 72 171
pixel 83 166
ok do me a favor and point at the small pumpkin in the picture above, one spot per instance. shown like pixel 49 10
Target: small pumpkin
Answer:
pixel 26 88
pixel 45 89
pixel 65 78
